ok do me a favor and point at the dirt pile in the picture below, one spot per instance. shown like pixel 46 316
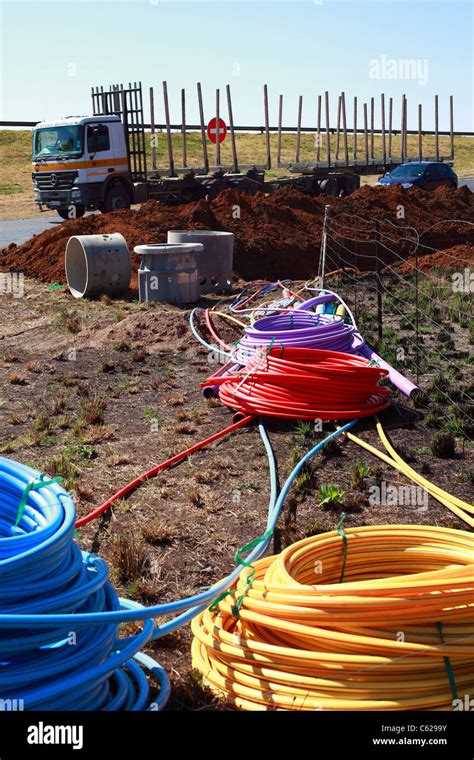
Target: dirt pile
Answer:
pixel 276 235
pixel 152 332
pixel 458 257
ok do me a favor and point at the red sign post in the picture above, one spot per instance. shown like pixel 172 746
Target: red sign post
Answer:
pixel 212 130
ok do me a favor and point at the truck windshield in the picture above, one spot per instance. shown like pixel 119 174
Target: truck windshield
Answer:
pixel 65 141
pixel 409 170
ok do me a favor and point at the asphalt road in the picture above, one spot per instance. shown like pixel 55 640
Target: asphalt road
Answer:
pixel 469 181
pixel 20 230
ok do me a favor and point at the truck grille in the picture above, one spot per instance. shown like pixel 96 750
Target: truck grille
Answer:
pixel 54 180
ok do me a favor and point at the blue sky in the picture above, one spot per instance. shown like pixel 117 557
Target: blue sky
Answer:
pixel 52 52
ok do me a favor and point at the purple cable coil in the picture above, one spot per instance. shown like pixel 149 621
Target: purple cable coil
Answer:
pixel 299 328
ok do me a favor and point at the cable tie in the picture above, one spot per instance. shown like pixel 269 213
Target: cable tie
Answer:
pixel 257 366
pixel 267 351
pixel 32 485
pixel 221 596
pixel 448 666
pixel 340 530
pixel 242 561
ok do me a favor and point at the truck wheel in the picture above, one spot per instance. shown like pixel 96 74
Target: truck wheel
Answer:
pixel 191 194
pixel 116 198
pixel 79 210
pixel 245 186
pixel 212 188
pixel 330 186
pixel 352 183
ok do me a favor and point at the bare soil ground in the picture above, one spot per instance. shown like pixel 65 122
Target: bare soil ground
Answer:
pixel 100 391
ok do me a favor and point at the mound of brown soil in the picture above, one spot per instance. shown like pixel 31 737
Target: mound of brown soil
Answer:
pixel 276 235
pixel 146 330
pixel 458 257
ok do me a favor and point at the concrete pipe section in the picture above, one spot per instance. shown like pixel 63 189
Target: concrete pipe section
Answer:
pixel 169 273
pixel 215 262
pixel 97 264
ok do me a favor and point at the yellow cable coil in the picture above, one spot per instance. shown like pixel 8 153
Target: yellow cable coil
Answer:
pixel 305 641
pixel 460 508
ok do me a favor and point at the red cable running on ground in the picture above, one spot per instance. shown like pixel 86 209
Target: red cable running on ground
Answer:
pixel 301 383
pixel 158 468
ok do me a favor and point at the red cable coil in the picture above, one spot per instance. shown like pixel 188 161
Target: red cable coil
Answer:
pixel 303 383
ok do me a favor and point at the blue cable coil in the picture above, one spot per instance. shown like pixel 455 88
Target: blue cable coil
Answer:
pixel 60 647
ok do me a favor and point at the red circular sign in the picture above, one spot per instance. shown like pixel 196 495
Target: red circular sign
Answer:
pixel 212 130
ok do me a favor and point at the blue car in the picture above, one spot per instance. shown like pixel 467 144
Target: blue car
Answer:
pixel 425 174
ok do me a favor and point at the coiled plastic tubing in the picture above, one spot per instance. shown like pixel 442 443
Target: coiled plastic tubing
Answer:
pixel 61 662
pixel 59 617
pixel 376 618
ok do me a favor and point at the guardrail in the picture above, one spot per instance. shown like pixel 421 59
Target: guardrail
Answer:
pixel 255 128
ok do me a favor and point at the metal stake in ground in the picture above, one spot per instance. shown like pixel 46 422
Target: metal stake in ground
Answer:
pixel 356 263
pixel 378 280
pixel 416 317
pixel 326 233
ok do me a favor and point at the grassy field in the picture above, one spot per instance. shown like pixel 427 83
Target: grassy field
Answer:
pixel 16 195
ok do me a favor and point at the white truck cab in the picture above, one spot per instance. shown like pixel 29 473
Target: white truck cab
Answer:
pixel 81 162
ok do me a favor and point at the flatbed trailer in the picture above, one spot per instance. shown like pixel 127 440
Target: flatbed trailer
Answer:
pixel 331 174
pixel 114 162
